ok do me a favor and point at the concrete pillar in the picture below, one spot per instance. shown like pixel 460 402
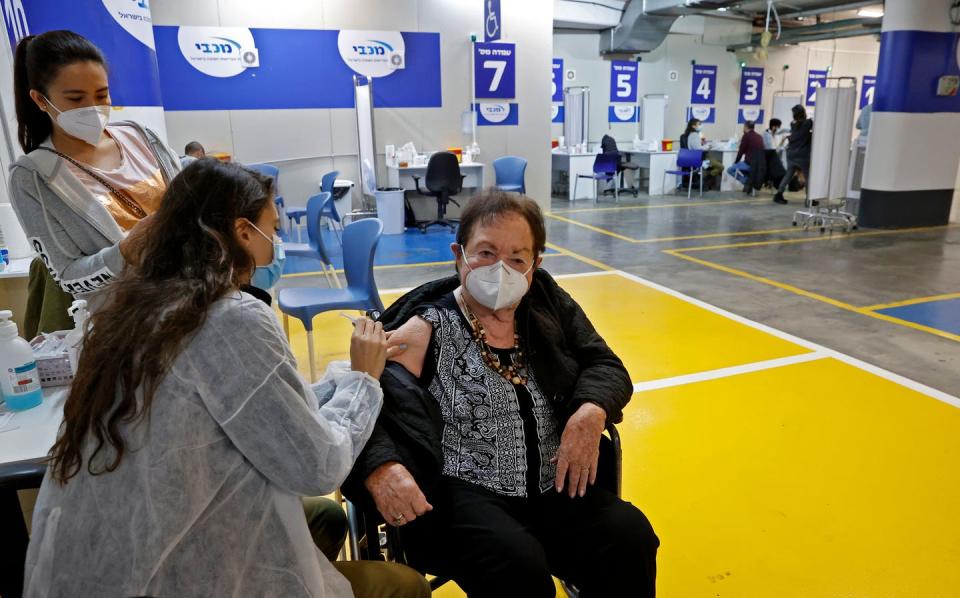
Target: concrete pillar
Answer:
pixel 913 149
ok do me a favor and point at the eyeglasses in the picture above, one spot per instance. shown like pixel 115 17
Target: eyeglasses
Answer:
pixel 485 257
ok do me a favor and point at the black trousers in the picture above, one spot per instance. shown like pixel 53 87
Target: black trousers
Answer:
pixel 493 545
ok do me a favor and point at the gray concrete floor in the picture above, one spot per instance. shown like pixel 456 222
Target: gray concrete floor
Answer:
pixel 863 269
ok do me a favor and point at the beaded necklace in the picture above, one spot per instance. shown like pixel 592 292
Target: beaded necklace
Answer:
pixel 511 373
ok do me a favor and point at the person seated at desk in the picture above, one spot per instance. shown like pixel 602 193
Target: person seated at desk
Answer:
pixel 692 139
pixel 486 456
pixel 188 434
pixel 771 140
pixel 750 143
pixel 191 152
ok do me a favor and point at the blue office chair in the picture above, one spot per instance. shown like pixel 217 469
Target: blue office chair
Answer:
pixel 314 247
pixel 510 172
pixel 360 241
pixel 689 164
pixel 604 169
pixel 330 209
pixel 273 172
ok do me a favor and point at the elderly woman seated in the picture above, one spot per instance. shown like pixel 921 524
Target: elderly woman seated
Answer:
pixel 486 451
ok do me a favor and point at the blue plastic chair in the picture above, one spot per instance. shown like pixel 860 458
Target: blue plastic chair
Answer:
pixel 692 161
pixel 330 210
pixel 360 241
pixel 314 247
pixel 604 169
pixel 273 172
pixel 510 172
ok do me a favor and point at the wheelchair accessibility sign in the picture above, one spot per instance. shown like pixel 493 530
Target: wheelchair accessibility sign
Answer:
pixel 491 20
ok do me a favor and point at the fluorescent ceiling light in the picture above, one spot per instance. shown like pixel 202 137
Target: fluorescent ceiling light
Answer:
pixel 872 12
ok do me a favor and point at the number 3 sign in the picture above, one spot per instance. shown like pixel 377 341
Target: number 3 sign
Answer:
pixel 751 86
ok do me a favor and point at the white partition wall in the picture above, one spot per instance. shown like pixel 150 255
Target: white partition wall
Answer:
pixel 833 130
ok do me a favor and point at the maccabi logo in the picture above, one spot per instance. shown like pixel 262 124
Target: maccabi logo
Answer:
pixel 222 45
pixel 373 47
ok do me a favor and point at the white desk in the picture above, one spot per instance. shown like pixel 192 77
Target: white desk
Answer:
pixel 574 164
pixel 31 433
pixel 403 177
pixel 18 268
pixel 658 163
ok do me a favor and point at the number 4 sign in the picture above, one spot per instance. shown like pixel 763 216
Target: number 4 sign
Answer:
pixel 704 88
pixel 494 70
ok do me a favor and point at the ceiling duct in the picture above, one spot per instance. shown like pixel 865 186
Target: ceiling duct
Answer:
pixel 637 32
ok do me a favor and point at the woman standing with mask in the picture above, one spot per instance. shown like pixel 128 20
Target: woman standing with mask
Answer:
pixel 188 434
pixel 84 186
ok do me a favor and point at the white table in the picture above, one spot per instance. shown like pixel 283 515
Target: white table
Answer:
pixel 13 288
pixel 33 431
pixel 727 156
pixel 658 163
pixel 403 177
pixel 28 438
pixel 18 268
pixel 575 163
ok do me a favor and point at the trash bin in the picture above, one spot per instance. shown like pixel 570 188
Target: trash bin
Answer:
pixel 390 209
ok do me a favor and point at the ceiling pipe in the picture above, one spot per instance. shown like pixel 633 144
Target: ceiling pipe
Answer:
pixel 796 39
pixel 837 8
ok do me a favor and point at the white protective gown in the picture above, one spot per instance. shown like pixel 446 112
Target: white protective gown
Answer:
pixel 206 499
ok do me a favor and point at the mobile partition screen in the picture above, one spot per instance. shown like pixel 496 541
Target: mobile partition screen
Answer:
pixel 366 144
pixel 576 115
pixel 654 117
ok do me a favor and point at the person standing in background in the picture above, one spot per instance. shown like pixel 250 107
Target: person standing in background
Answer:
pixel 771 136
pixel 798 150
pixel 84 188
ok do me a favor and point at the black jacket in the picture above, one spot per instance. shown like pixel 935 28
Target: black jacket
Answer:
pixel 572 364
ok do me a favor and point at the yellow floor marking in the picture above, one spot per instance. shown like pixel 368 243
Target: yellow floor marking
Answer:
pixel 872 233
pixel 610 233
pixel 681 253
pixel 660 336
pixel 814 480
pixel 913 301
pixel 582 258
pixel 692 204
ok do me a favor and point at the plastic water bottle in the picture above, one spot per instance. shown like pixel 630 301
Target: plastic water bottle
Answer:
pixel 19 379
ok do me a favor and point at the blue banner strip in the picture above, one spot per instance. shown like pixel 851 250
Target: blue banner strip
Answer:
pixel 910 64
pixel 299 68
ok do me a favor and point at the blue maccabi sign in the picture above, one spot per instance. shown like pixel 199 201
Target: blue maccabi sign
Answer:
pixel 703 88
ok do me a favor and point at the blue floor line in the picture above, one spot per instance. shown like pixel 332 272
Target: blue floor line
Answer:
pixel 942 315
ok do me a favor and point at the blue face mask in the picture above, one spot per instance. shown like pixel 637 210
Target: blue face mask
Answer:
pixel 265 277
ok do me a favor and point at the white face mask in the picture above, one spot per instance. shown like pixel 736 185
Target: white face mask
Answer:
pixel 86 124
pixel 496 286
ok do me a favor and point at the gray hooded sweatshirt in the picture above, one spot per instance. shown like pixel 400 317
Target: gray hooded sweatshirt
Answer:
pixel 73 233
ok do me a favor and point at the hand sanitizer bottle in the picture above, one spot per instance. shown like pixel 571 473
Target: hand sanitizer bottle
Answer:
pixel 19 379
pixel 74 338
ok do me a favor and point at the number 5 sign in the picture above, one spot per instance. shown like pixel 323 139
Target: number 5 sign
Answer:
pixel 704 88
pixel 623 81
pixel 495 70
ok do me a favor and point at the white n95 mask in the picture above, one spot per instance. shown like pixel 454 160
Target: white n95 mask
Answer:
pixel 496 286
pixel 86 124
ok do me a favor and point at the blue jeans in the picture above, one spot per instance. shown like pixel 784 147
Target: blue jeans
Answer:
pixel 739 171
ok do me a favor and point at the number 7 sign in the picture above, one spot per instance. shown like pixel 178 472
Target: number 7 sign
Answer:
pixel 494 70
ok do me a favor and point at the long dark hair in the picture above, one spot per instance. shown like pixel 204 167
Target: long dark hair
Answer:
pixel 691 125
pixel 190 258
pixel 38 60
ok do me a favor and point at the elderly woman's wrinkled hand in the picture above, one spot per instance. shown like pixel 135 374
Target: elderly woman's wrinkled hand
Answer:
pixel 580 449
pixel 396 493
